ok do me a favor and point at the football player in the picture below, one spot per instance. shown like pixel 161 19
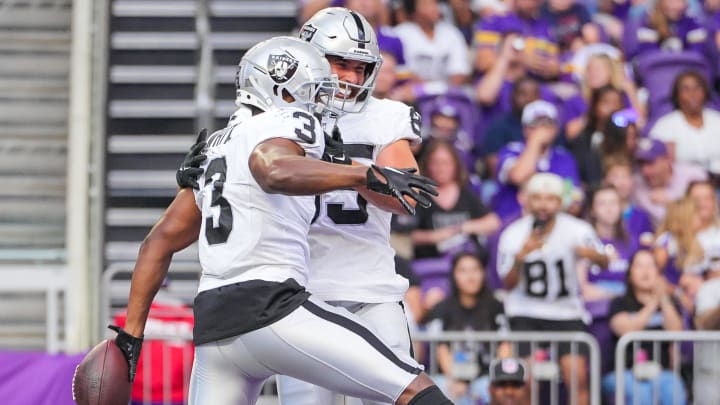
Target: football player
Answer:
pixel 251 214
pixel 362 279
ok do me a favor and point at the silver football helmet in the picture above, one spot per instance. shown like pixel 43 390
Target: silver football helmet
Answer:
pixel 344 33
pixel 286 72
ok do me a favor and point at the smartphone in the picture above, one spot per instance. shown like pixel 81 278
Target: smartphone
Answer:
pixel 539 225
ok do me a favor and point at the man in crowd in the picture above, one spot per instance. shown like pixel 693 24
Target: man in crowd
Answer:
pixel 519 161
pixel 508 382
pixel 659 180
pixel 539 254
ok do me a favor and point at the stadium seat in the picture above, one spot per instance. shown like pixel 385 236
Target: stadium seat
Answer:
pixel 433 273
pixel 658 70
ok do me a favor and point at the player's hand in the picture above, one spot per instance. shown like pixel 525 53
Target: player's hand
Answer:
pixel 400 183
pixel 190 171
pixel 130 347
pixel 335 148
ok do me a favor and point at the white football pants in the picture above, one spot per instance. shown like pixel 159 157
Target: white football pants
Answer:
pixel 387 320
pixel 318 343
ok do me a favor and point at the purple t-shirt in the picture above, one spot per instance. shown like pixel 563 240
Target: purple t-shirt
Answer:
pixel 672 271
pixel 537 33
pixel 389 42
pixel 638 224
pixel 558 161
pixel 639 37
pixel 620 252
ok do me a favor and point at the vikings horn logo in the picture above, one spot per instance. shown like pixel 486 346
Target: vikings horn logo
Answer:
pixel 282 67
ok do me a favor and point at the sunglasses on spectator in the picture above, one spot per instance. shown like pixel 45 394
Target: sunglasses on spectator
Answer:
pixel 625 117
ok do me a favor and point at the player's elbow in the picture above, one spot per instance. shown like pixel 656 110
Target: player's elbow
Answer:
pixel 277 178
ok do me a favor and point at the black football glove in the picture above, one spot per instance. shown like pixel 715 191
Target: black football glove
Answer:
pixel 190 171
pixel 335 149
pixel 402 182
pixel 130 347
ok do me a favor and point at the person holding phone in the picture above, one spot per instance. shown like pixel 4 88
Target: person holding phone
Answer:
pixel 538 256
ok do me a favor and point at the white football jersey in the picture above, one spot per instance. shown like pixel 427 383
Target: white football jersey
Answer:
pixel 548 287
pixel 350 254
pixel 248 234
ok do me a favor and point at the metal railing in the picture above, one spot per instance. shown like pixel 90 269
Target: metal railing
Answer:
pixel 534 339
pixel 656 337
pixel 205 87
pixel 52 281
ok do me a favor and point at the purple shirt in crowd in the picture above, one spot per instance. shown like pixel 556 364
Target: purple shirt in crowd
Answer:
pixel 638 225
pixel 389 42
pixel 620 252
pixel 639 37
pixel 537 33
pixel 557 160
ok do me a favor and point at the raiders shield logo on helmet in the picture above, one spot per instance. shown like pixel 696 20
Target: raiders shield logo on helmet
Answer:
pixel 307 32
pixel 282 67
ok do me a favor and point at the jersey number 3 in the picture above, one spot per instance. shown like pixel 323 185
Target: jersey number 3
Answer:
pixel 218 234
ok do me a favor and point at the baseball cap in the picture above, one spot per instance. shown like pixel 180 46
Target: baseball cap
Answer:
pixel 538 109
pixel 650 149
pixel 546 183
pixel 510 370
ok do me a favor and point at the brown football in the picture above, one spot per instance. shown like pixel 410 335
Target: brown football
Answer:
pixel 102 377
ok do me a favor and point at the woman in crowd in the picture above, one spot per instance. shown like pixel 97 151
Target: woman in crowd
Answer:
pixel 601 69
pixel 677 249
pixel 457 220
pixel 667 27
pixel 690 131
pixel 588 146
pixel 618 173
pixel 606 218
pixel 471 305
pixel 646 305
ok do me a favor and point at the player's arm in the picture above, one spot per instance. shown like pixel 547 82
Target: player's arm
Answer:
pixel 397 154
pixel 279 166
pixel 177 229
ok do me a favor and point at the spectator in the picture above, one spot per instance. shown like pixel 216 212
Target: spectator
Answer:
pixel 508 382
pixel 507 127
pixel 470 306
pixel 660 181
pixel 462 17
pixel 703 195
pixel 621 134
pixel 538 257
pixel 595 67
pixel 667 27
pixel 540 54
pixel 446 124
pixel 646 306
pixel 677 248
pixel 690 132
pixel 457 217
pixel 518 161
pixel 388 41
pixel 707 355
pixel 588 146
pixel 618 173
pixel 387 77
pixel 435 50
pixel 570 24
pixel 606 219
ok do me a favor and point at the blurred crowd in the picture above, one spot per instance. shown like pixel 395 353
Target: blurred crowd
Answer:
pixel 617 100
